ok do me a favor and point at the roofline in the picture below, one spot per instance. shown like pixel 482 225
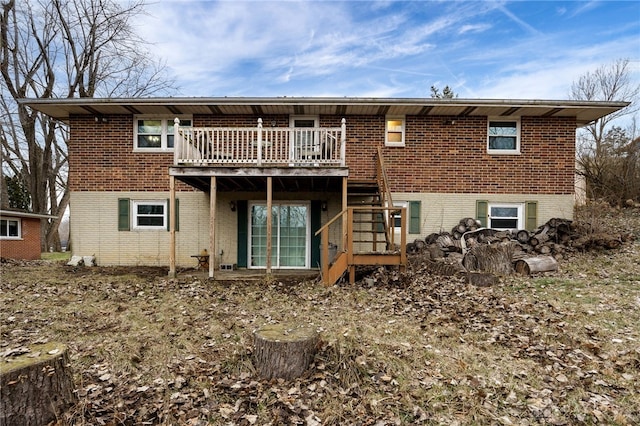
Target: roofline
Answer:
pixel 16 213
pixel 286 100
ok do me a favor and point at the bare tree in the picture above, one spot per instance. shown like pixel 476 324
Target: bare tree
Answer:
pixel 607 154
pixel 65 49
pixel 447 93
pixel 610 82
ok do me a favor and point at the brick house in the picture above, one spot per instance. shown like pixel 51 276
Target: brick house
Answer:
pixel 20 234
pixel 298 183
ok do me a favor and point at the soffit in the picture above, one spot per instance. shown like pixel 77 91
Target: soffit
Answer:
pixel 584 111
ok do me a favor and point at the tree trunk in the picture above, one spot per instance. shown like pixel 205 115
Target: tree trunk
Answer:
pixel 284 351
pixel 36 387
pixel 493 258
pixel 531 265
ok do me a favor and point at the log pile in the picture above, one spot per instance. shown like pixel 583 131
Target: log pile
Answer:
pixel 468 242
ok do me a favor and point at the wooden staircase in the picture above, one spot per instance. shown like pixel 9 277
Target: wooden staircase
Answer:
pixel 367 223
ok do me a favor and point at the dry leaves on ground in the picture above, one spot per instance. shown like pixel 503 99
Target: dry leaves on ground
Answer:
pixel 411 348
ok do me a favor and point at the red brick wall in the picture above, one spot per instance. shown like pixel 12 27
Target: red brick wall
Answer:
pixel 438 157
pixel 28 247
pixel 452 158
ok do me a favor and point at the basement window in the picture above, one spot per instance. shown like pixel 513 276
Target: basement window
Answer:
pixel 10 229
pixel 156 133
pixel 149 214
pixel 503 136
pixel 505 216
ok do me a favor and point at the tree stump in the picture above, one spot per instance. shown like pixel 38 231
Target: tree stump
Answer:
pixel 35 386
pixel 492 258
pixel 284 351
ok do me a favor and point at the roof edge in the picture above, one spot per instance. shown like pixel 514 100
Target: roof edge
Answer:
pixel 286 100
pixel 18 213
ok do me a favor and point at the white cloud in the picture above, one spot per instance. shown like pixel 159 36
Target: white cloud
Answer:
pixel 474 28
pixel 392 48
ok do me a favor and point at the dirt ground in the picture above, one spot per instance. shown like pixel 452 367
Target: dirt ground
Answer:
pixel 413 348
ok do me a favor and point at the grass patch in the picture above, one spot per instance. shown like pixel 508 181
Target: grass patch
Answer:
pixel 55 256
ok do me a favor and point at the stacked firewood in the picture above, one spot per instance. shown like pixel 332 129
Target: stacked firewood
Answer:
pixel 555 238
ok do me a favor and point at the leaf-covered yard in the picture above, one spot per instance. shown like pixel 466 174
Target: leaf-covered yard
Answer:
pixel 414 348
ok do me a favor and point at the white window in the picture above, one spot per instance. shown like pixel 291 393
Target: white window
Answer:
pixel 149 214
pixel 503 136
pixel 155 133
pixel 10 229
pixel 506 216
pixel 394 131
pixel 397 219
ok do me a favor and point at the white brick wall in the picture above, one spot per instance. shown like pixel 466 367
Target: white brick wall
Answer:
pixel 441 212
pixel 94 223
pixel 94 229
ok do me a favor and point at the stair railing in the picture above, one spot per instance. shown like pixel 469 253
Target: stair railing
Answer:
pixel 385 198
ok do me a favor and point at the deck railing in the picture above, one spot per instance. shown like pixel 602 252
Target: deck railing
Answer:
pixel 260 146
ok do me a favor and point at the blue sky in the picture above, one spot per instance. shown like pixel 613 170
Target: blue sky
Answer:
pixel 486 49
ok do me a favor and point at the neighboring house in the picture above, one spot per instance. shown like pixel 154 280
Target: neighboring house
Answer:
pixel 20 234
pixel 252 180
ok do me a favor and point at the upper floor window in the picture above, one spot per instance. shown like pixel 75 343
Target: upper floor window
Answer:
pixel 10 229
pixel 503 136
pixel 156 133
pixel 394 131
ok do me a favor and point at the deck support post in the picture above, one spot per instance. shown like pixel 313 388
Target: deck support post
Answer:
pixel 269 225
pixel 344 217
pixel 172 227
pixel 212 225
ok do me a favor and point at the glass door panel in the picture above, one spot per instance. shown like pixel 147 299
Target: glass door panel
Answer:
pixel 289 239
pixel 293 237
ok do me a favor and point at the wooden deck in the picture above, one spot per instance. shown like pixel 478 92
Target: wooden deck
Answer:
pixel 259 147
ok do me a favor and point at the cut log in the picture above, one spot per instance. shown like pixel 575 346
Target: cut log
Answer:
pixel 543 249
pixel 460 229
pixel 419 244
pixel 448 243
pixel 445 268
pixel 435 251
pixel 284 351
pixel 523 236
pixel 36 387
pixel 531 265
pixel 469 222
pixel 538 239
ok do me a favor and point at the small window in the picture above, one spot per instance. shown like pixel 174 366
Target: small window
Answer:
pixel 394 131
pixel 156 134
pixel 503 136
pixel 10 229
pixel 397 223
pixel 149 214
pixel 505 216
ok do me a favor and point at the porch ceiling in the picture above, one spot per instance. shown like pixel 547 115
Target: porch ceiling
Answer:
pixel 584 111
pixel 255 179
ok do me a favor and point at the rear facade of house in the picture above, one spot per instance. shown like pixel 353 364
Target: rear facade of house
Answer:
pixel 252 181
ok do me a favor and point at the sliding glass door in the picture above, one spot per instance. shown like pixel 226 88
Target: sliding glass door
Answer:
pixel 289 239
